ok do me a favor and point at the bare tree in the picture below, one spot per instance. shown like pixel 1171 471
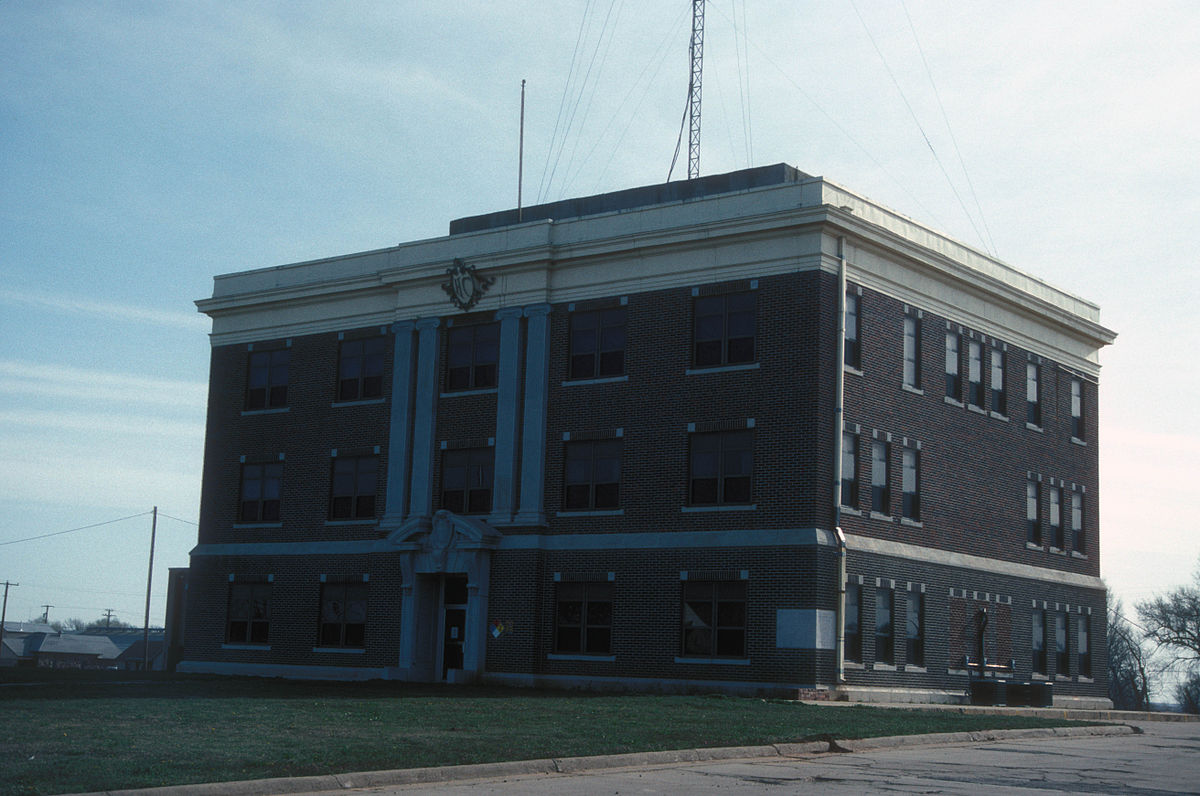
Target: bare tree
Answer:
pixel 1173 621
pixel 1187 694
pixel 1131 671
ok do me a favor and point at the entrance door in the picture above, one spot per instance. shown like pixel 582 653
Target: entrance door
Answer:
pixel 454 622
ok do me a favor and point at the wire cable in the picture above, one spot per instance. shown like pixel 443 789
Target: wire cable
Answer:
pixel 74 530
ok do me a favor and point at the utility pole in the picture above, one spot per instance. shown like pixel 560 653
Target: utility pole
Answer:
pixel 521 153
pixel 697 50
pixel 4 610
pixel 108 612
pixel 46 614
pixel 149 581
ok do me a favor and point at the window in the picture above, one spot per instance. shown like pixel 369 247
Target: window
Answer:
pixel 853 632
pixel 249 615
pixel 343 615
pixel 714 619
pixel 849 465
pixel 975 374
pixel 953 375
pixel 852 350
pixel 260 492
pixel 1038 644
pixel 583 623
pixel 1033 512
pixel 910 483
pixel 598 344
pixel 1056 528
pixel 353 488
pixel 912 352
pixel 881 497
pixel 1033 400
pixel 999 393
pixel 914 648
pixel 724 328
pixel 473 352
pixel 592 475
pixel 1062 660
pixel 360 369
pixel 721 466
pixel 1078 540
pixel 267 382
pixel 1083 642
pixel 884 650
pixel 467 480
pixel 1077 409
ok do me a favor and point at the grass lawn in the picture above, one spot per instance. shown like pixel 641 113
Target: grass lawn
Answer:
pixel 73 735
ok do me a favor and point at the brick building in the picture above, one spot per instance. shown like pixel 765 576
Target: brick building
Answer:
pixel 640 439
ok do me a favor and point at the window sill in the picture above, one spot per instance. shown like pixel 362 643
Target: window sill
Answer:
pixel 1033 427
pixel 911 523
pixel 1079 555
pixel 1062 678
pixel 883 667
pixel 1038 676
pixel 875 515
pixel 721 369
pixel 277 411
pixel 998 416
pixel 953 401
pixel 732 507
pixel 341 650
pixel 720 661
pixel 597 380
pixel 853 371
pixel 238 526
pixel 915 669
pixel 979 410
pixel 853 665
pixel 1083 679
pixel 1078 441
pixel 251 647
pixel 462 393
pixel 911 389
pixel 596 513
pixel 850 510
pixel 335 523
pixel 1032 546
pixel 1057 551
pixel 364 402
pixel 558 656
pixel 960 672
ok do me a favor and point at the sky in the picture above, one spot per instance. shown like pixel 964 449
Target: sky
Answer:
pixel 146 147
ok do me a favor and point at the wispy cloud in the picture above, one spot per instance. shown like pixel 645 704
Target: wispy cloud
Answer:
pixel 30 379
pixel 121 312
pixel 125 425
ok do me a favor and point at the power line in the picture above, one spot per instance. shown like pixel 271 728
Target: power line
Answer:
pixel 177 519
pixel 75 530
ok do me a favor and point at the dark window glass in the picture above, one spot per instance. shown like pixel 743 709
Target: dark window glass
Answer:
pixel 723 329
pixel 343 615
pixel 1033 400
pixel 714 619
pixel 1077 428
pixel 853 649
pixel 953 374
pixel 583 618
pixel 472 356
pixel 910 478
pixel 884 623
pixel 1062 660
pixel 353 492
pixel 598 344
pixel 1083 642
pixel 360 369
pixel 592 477
pixel 467 480
pixel 1056 526
pixel 881 497
pixel 1033 512
pixel 260 492
pixel 249 615
pixel 722 464
pixel 999 392
pixel 1038 643
pixel 267 381
pixel 975 374
pixel 1078 540
pixel 915 633
pixel 849 470
pixel 851 348
pixel 912 352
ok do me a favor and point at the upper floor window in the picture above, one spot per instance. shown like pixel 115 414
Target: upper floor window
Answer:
pixel 724 329
pixel 1038 643
pixel 915 635
pixel 353 490
pixel 1077 428
pixel 592 478
pixel 975 373
pixel 953 374
pixel 910 481
pixel 248 618
pixel 851 347
pixel 1056 527
pixel 1033 398
pixel 472 356
pixel 267 381
pixel 1084 646
pixel 912 352
pixel 260 492
pixel 853 648
pixel 583 618
pixel 1078 540
pixel 722 464
pixel 343 615
pixel 849 469
pixel 360 369
pixel 467 476
pixel 1033 512
pixel 999 392
pixel 714 619
pixel 598 344
pixel 881 497
pixel 884 623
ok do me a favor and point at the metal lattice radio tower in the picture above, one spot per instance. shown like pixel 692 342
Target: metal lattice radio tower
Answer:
pixel 694 89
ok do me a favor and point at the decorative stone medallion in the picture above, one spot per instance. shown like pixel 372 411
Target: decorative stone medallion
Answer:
pixel 465 287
